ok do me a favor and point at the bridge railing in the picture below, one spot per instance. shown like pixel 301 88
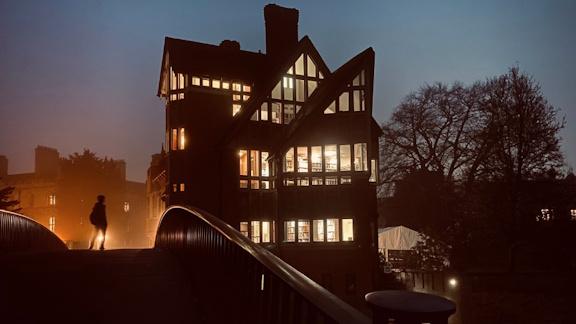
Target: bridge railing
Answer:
pixel 19 233
pixel 239 281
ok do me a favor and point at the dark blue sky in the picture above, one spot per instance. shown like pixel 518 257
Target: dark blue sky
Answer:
pixel 83 74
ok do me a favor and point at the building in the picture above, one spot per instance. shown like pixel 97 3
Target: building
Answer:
pixel 280 147
pixel 156 185
pixel 60 195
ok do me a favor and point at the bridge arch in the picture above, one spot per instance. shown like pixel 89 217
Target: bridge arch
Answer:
pixel 19 233
pixel 237 277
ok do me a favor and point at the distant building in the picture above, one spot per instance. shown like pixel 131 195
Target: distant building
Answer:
pixel 155 194
pixel 280 147
pixel 62 201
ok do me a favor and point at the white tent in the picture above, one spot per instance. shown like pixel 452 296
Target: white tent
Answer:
pixel 397 238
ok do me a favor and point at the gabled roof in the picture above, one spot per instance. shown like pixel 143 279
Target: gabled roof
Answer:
pixel 272 77
pixel 193 57
pixel 326 93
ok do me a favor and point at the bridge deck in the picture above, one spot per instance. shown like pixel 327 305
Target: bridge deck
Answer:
pixel 129 286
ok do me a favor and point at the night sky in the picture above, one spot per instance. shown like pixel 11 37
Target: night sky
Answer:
pixel 83 74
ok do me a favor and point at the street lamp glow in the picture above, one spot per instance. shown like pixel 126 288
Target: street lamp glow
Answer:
pixel 453 282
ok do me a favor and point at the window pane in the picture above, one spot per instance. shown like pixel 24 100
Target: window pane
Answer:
pixel 236 87
pixel 254 164
pixel 317 181
pixel 254 184
pixel 265 169
pixel 347 229
pixel 331 108
pixel 265 232
pixel 303 231
pixel 289 161
pixel 236 109
pixel 302 154
pixel 174 142
pixel 300 65
pixel 356 103
pixel 360 158
pixel 195 81
pixel 345 179
pixel 311 87
pixel 331 181
pixel 244 228
pixel 265 184
pixel 276 94
pixel 330 158
pixel 264 111
pixel 302 182
pixel 254 116
pixel 300 96
pixel 318 230
pixel 288 113
pixel 311 67
pixel 225 85
pixel 180 81
pixel 255 233
pixel 244 184
pixel 332 230
pixel 316 158
pixel 216 84
pixel 243 157
pixel 246 88
pixel 173 82
pixel 345 158
pixel 289 231
pixel 373 171
pixel 205 82
pixel 343 102
pixel 276 113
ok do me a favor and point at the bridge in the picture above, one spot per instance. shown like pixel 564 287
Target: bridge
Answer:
pixel 201 270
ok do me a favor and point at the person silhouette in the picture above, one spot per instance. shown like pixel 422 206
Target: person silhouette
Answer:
pixel 98 219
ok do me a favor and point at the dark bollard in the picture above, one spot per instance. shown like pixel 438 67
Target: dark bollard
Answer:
pixel 407 307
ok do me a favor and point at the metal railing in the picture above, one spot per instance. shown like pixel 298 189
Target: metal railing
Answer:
pixel 239 281
pixel 19 233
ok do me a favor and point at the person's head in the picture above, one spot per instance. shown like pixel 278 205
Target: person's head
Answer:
pixel 101 198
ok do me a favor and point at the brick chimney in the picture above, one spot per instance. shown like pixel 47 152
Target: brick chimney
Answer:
pixel 281 29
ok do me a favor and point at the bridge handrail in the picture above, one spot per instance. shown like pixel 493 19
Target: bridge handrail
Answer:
pixel 20 233
pixel 328 303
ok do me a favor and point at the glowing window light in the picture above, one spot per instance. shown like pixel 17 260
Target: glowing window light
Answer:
pixel 216 84
pixel 246 88
pixel 288 83
pixel 52 200
pixel 453 282
pixel 236 109
pixel 52 223
pixel 126 207
pixel 181 139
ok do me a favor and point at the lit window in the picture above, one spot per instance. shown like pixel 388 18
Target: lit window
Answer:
pixel 265 166
pixel 205 82
pixel 332 230
pixel 52 200
pixel 356 101
pixel 174 187
pixel 180 81
pixel 255 231
pixel 359 79
pixel 317 181
pixel 331 181
pixel 360 157
pixel 302 155
pixel 216 84
pixel 266 232
pixel 330 158
pixel 225 85
pixel 288 83
pixel 343 103
pixel 373 171
pixel 246 88
pixel 236 109
pixel 311 87
pixel 173 80
pixel 289 160
pixel 195 81
pixel 573 214
pixel 276 93
pixel 289 231
pixel 300 65
pixel 265 184
pixel 244 228
pixel 288 113
pixel 254 116
pixel 311 67
pixel 275 112
pixel 236 87
pixel 244 184
pixel 245 97
pixel 302 182
pixel 181 139
pixel 331 108
pixel 126 207
pixel 347 229
pixel 318 228
pixel 52 223
pixel 545 215
pixel 290 71
pixel 254 164
pixel 264 111
pixel 300 95
pixel 316 158
pixel 236 97
pixel 345 179
pixel 243 158
pixel 182 187
pixel 320 75
pixel 303 231
pixel 254 184
pixel 174 141
pixel 288 182
pixel 345 158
